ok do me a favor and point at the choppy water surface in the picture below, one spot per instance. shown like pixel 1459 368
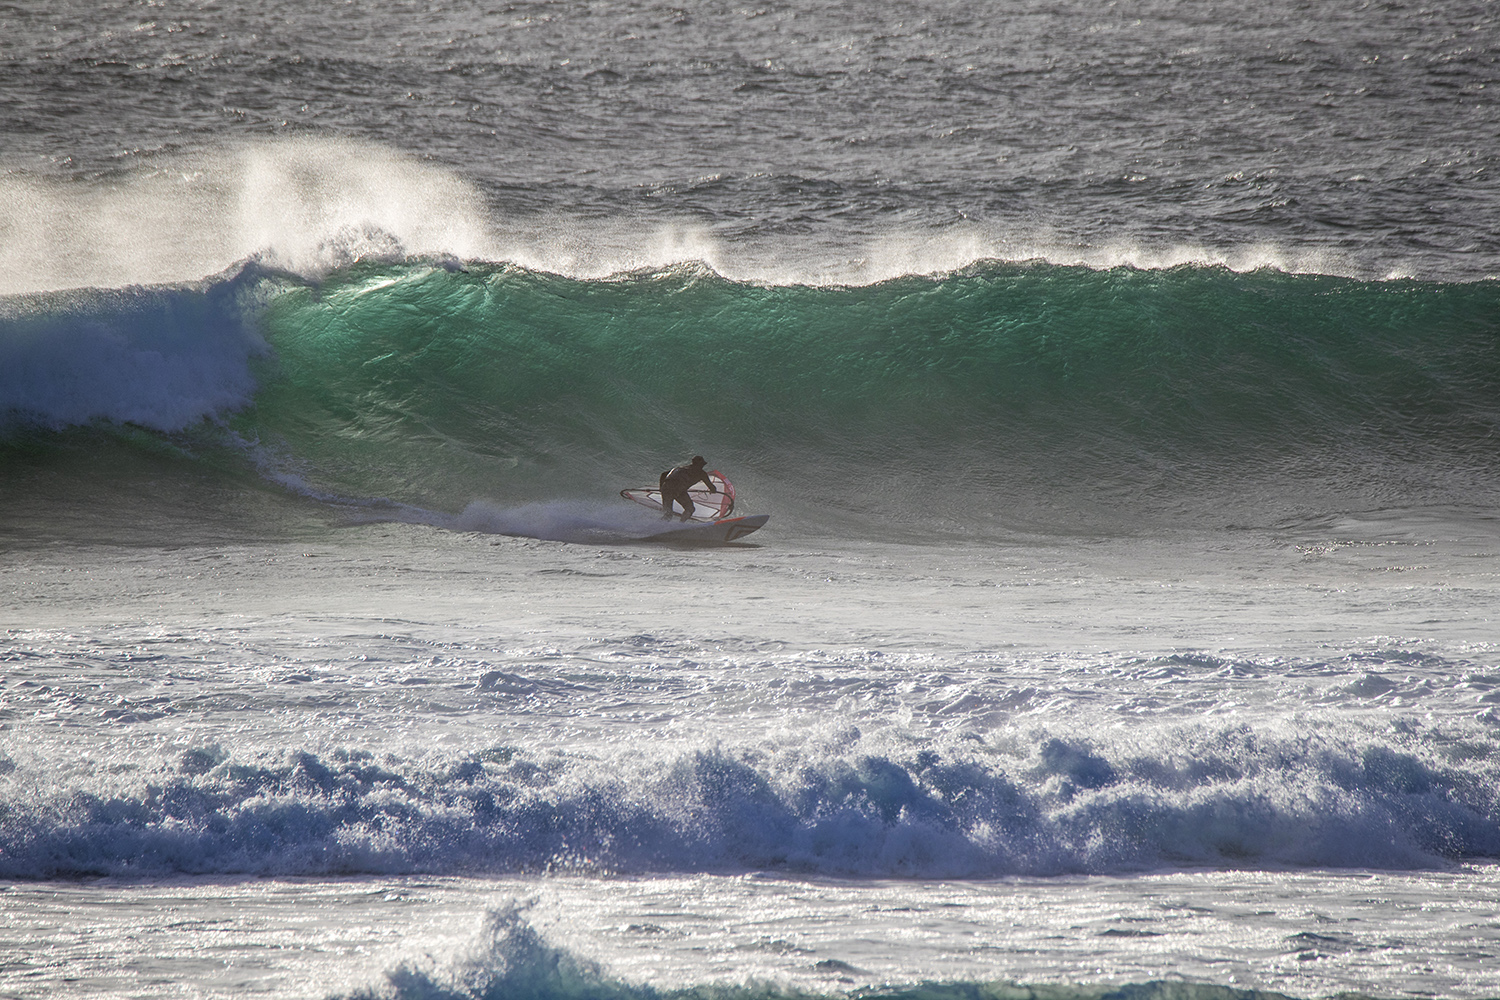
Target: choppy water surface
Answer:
pixel 1120 382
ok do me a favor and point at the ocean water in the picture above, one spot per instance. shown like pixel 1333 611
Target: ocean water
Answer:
pixel 1122 382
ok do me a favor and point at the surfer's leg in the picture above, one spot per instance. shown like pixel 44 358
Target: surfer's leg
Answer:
pixel 687 506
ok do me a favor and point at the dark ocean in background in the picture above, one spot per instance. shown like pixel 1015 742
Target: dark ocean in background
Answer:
pixel 1361 136
pixel 1122 381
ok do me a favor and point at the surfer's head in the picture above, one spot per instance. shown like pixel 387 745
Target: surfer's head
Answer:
pixel 699 460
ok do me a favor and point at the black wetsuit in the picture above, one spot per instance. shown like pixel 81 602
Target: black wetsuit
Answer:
pixel 674 488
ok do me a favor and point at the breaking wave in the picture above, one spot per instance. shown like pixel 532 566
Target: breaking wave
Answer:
pixel 835 803
pixel 510 960
pixel 1002 395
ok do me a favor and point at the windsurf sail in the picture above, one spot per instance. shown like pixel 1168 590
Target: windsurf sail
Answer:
pixel 707 507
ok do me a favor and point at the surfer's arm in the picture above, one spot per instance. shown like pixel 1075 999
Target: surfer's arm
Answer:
pixel 707 480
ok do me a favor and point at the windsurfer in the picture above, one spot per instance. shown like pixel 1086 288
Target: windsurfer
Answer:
pixel 674 485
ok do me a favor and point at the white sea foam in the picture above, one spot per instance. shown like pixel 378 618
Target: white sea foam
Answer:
pixel 825 798
pixel 758 937
pixel 646 939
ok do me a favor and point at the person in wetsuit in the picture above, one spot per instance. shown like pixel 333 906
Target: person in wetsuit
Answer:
pixel 675 482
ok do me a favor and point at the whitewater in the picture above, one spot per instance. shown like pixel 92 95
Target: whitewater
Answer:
pixel 1122 382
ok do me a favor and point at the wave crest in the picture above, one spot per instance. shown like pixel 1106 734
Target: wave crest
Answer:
pixel 312 205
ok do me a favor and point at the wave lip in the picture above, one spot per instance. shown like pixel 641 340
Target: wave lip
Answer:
pixel 162 358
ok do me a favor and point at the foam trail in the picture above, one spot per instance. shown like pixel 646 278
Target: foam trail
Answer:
pixel 558 520
pixel 553 521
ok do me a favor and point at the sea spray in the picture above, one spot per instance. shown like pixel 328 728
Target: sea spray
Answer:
pixel 310 205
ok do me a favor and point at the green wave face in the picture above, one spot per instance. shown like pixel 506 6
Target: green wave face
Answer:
pixel 1003 394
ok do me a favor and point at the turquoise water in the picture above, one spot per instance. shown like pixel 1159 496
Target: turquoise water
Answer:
pixel 1004 396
